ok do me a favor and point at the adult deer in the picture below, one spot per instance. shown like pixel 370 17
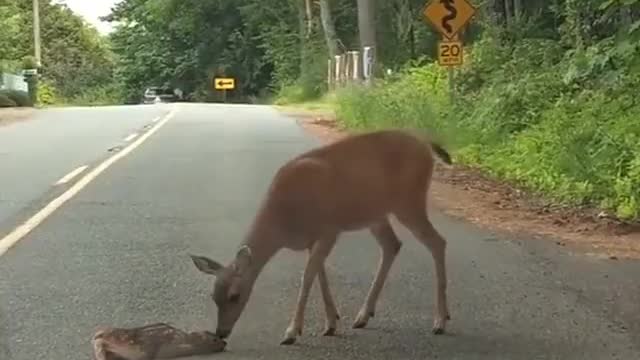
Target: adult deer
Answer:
pixel 347 185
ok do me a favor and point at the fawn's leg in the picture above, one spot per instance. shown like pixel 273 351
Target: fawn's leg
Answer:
pixel 99 351
pixel 416 220
pixel 389 246
pixel 329 305
pixel 319 252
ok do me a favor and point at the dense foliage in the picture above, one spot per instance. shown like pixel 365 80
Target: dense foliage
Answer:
pixel 75 58
pixel 267 45
pixel 546 101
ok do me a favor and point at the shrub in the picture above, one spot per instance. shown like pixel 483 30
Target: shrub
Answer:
pixel 21 98
pixel 46 93
pixel 560 123
pixel 5 101
pixel 96 96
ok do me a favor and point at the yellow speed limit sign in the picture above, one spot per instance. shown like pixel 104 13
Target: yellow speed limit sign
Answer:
pixel 450 53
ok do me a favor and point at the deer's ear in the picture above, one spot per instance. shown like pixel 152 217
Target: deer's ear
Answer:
pixel 206 265
pixel 243 259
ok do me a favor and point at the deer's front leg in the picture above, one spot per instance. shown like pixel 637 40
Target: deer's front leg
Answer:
pixel 315 261
pixel 329 305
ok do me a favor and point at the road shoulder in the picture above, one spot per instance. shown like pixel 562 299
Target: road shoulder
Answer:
pixel 470 195
pixel 12 115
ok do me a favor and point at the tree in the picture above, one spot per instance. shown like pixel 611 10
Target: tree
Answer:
pixel 329 28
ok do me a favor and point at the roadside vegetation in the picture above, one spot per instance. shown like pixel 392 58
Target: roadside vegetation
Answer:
pixel 546 99
pixel 77 62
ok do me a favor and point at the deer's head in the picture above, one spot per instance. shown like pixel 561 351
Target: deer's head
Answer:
pixel 231 287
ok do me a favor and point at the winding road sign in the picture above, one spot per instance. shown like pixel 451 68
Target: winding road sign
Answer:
pixel 449 16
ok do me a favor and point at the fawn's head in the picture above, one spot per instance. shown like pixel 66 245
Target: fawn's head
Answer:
pixel 231 287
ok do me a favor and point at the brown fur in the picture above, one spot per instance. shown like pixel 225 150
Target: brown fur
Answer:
pixel 347 185
pixel 154 341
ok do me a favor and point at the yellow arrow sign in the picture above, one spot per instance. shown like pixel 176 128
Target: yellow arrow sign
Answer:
pixel 449 16
pixel 224 83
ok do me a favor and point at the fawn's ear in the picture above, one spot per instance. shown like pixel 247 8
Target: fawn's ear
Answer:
pixel 243 259
pixel 206 265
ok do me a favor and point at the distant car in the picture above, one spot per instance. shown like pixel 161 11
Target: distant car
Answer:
pixel 157 94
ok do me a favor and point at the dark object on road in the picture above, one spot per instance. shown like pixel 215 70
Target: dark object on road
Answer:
pixel 153 341
pixel 156 94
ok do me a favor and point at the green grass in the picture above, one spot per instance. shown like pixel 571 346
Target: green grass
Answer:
pixel 564 125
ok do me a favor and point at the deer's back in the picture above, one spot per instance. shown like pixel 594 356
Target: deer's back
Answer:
pixel 351 183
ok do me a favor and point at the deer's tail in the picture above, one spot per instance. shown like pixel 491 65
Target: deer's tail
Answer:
pixel 441 152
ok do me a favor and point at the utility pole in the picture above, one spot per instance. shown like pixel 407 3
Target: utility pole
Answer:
pixel 367 30
pixel 36 31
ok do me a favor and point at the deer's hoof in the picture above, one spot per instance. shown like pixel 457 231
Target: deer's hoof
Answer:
pixel 359 324
pixel 288 341
pixel 290 336
pixel 362 319
pixel 439 324
pixel 331 331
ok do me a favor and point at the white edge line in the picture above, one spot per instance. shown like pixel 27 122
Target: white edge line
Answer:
pixel 65 179
pixel 19 232
pixel 130 137
pixel 156 119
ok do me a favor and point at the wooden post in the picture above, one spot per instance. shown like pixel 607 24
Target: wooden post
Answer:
pixel 343 69
pixel 356 66
pixel 347 67
pixel 329 74
pixel 451 85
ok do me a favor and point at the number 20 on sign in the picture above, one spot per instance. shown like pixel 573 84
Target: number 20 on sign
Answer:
pixel 450 53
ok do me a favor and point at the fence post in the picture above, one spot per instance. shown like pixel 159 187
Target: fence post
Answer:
pixel 356 66
pixel 330 73
pixel 336 72
pixel 368 62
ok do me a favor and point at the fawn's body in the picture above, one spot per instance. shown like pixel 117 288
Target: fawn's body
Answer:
pixel 153 341
pixel 348 185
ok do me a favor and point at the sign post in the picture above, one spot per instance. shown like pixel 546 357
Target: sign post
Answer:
pixel 449 17
pixel 224 84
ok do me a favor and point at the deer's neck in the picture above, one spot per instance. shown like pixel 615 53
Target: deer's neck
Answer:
pixel 264 239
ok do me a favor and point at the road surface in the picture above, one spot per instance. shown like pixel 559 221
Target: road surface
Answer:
pixel 116 252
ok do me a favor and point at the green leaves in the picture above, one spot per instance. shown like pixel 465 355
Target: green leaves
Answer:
pixel 74 55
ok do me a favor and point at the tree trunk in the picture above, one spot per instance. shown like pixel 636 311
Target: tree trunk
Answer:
pixel 367 30
pixel 309 17
pixel 497 12
pixel 329 28
pixel 508 11
pixel 303 29
pixel 517 9
pixel 412 42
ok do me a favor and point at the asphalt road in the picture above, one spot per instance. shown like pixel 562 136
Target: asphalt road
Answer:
pixel 116 254
pixel 36 154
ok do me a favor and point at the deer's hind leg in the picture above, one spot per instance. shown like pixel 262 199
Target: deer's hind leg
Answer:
pixel 389 247
pixel 414 217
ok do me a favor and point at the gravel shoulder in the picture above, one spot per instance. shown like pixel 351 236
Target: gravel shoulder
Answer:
pixel 11 115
